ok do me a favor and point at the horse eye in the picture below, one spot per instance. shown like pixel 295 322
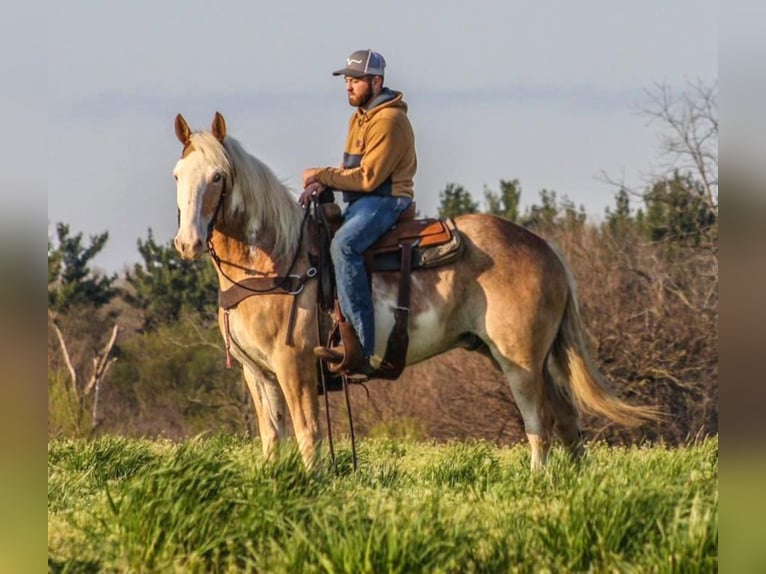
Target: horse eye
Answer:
pixel 216 178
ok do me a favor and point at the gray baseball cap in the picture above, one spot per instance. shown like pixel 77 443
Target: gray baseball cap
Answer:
pixel 363 63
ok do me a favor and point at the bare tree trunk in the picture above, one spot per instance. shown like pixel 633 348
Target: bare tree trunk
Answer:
pixel 101 365
pixel 65 353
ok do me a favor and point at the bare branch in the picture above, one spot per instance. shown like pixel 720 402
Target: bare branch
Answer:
pixel 102 362
pixel 620 184
pixel 202 342
pixel 65 352
pixel 691 139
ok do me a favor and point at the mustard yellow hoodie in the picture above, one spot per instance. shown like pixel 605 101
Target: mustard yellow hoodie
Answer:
pixel 380 151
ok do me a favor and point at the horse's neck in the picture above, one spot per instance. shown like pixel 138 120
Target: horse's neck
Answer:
pixel 239 258
pixel 242 255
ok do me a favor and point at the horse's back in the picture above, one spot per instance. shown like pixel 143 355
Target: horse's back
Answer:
pixel 500 246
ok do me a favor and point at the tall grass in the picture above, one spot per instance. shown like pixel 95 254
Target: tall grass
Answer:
pixel 213 505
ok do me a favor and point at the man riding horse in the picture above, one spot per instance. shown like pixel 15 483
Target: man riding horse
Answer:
pixel 376 179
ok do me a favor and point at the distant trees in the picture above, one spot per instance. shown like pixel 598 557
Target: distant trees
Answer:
pixel 456 200
pixel 688 123
pixel 506 202
pixel 167 355
pixel 674 208
pixel 680 204
pixel 165 286
pixel 70 280
pixel 679 209
pixel 85 329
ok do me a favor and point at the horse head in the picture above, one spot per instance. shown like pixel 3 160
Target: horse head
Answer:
pixel 203 176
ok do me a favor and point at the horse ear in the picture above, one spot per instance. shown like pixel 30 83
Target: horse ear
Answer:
pixel 219 127
pixel 183 133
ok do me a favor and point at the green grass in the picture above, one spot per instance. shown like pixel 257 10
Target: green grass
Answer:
pixel 213 505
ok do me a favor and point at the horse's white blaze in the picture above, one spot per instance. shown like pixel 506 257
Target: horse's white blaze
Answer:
pixel 199 183
pixel 191 182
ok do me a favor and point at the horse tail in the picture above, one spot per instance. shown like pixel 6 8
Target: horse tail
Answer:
pixel 586 386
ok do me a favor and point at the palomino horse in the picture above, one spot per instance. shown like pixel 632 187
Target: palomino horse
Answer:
pixel 509 295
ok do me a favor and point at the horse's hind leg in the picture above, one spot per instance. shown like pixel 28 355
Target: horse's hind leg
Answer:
pixel 530 396
pixel 269 406
pixel 566 418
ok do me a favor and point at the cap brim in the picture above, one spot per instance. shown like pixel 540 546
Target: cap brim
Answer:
pixel 349 72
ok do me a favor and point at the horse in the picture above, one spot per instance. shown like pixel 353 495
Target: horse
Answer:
pixel 509 295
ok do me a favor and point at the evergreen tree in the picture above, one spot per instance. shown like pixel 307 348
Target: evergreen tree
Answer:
pixel 545 214
pixel 456 200
pixel 619 220
pixel 678 210
pixel 70 279
pixel 506 202
pixel 573 217
pixel 54 264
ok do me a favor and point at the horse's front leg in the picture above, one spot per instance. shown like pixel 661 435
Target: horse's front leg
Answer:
pixel 296 371
pixel 269 407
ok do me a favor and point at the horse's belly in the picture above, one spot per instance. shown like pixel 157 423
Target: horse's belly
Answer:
pixel 426 330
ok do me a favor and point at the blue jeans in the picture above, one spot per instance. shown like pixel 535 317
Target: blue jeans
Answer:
pixel 364 221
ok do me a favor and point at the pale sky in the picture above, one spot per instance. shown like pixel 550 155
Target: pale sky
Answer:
pixel 546 92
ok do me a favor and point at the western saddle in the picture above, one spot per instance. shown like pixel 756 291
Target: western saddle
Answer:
pixel 409 245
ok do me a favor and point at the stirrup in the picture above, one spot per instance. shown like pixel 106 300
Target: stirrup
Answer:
pixel 346 356
pixel 330 354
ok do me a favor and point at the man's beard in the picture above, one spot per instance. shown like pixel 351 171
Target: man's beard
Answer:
pixel 362 100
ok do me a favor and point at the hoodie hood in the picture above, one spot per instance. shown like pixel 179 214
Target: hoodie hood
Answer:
pixel 385 99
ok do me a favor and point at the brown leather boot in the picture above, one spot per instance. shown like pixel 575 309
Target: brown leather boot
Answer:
pixel 335 356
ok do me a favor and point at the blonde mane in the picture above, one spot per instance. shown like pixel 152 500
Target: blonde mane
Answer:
pixel 266 204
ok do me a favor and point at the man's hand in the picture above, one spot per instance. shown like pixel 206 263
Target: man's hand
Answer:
pixel 311 186
pixel 311 191
pixel 309 176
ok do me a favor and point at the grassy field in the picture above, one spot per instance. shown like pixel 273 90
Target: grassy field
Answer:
pixel 212 505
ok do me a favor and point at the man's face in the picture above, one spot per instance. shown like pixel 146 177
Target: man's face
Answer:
pixel 359 90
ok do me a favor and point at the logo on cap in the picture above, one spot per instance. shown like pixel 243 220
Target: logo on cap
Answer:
pixel 362 63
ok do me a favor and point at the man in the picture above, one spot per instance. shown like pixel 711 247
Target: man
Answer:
pixel 376 179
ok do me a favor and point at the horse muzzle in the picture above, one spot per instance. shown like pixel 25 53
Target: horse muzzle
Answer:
pixel 189 248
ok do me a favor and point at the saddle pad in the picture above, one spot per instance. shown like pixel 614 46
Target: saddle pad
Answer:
pixel 420 232
pixel 422 257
